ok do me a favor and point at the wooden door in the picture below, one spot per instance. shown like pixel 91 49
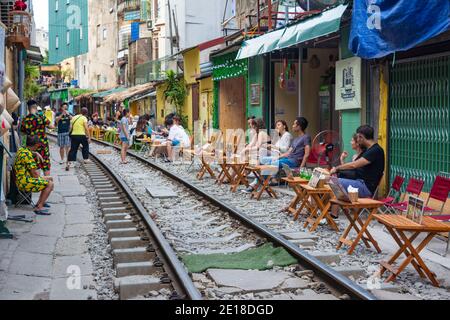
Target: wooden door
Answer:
pixel 232 104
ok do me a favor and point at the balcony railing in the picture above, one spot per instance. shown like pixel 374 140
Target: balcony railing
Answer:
pixel 19 29
pixel 128 5
pixel 155 70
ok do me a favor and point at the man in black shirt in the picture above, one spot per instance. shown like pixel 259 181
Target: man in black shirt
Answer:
pixel 62 120
pixel 369 168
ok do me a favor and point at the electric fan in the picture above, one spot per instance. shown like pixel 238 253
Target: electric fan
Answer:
pixel 326 149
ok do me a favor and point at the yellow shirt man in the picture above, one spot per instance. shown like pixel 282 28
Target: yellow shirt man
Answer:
pixel 78 123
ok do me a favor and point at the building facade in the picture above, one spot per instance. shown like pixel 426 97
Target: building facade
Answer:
pixel 68 29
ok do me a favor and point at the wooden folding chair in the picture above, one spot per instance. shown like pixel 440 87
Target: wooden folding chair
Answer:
pixel 207 157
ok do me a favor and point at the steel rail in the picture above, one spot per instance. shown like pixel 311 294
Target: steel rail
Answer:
pixel 170 256
pixel 328 275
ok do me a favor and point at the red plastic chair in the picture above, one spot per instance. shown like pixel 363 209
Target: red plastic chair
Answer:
pixel 439 192
pixel 414 188
pixel 395 189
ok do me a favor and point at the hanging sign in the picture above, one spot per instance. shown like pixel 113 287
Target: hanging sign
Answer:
pixel 348 84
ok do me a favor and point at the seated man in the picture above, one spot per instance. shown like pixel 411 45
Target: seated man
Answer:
pixel 27 174
pixel 177 138
pixel 368 168
pixel 296 156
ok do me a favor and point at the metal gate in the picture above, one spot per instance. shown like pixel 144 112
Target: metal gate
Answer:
pixel 420 118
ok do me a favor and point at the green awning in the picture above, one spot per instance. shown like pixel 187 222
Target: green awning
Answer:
pixel 62 95
pixel 108 92
pixel 320 25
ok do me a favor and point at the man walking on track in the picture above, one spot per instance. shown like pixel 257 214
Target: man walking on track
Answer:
pixel 63 122
pixel 79 135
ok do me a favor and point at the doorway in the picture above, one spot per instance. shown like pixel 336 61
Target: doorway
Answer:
pixel 232 104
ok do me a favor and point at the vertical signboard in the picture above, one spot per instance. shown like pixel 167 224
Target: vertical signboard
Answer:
pixel 348 84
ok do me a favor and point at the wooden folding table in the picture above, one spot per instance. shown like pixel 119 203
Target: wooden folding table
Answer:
pixel 397 226
pixel 353 213
pixel 295 183
pixel 233 169
pixel 263 182
pixel 316 199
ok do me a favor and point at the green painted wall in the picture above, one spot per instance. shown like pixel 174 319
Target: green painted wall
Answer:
pixel 256 77
pixel 351 119
pixel 68 17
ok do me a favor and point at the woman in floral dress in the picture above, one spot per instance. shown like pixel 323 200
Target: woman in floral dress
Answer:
pixel 35 125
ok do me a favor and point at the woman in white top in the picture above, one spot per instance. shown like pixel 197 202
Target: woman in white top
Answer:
pixel 284 142
pixel 260 140
pixel 266 156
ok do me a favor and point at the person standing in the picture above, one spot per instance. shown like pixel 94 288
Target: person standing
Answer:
pixel 79 135
pixel 124 134
pixel 34 124
pixel 63 119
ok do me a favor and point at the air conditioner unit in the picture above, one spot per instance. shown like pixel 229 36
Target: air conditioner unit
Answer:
pixel 149 25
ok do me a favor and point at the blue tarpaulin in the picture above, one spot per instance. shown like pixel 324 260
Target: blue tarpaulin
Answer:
pixel 381 27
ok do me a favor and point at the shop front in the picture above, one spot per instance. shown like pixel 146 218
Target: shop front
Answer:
pixel 298 67
pixel 230 91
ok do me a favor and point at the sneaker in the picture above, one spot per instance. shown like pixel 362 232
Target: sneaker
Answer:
pixel 249 190
pixel 323 222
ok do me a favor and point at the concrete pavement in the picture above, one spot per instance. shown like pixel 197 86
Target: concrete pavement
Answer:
pixel 49 258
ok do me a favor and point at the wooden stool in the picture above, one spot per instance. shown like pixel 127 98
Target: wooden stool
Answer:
pixel 295 184
pixel 321 198
pixel 264 183
pixel 356 223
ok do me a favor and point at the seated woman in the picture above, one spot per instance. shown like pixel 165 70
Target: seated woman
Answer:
pixel 283 142
pixel 351 174
pixel 27 174
pixel 259 139
pixel 141 128
pixel 296 156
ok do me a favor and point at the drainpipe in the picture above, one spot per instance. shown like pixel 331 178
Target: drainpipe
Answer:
pixel 21 80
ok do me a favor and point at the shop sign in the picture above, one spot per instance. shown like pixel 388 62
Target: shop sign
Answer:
pixel 348 84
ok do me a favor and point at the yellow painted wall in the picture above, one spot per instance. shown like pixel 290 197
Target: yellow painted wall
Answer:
pixel 191 65
pixel 383 124
pixel 191 72
pixel 162 107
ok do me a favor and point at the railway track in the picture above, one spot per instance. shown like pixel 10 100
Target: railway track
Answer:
pixel 196 223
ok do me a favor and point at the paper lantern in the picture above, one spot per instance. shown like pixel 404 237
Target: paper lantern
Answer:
pixel 12 101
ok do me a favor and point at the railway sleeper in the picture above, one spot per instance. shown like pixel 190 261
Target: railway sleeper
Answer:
pixel 132 255
pixel 135 286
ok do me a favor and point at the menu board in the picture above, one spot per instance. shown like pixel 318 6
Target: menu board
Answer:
pixel 315 179
pixel 416 207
